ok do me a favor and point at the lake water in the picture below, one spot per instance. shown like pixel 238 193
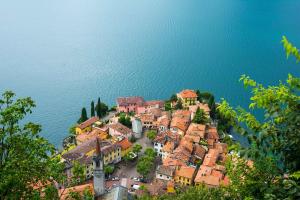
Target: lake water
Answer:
pixel 64 53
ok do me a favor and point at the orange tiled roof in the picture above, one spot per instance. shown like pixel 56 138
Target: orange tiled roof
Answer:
pixel 188 94
pixel 203 171
pixel 211 158
pixel 88 135
pixel 196 129
pixel 173 162
pixel 209 180
pixel 125 144
pixel 185 171
pixel 168 147
pixel 212 133
pixel 181 119
pixel 147 117
pixel 88 122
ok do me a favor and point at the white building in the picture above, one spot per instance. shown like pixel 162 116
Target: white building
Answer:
pixel 165 172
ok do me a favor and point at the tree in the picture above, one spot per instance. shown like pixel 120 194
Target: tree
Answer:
pixel 92 109
pixel 125 120
pixel 200 117
pixel 108 169
pixel 24 155
pixel 274 142
pixel 144 166
pixel 173 98
pixel 150 153
pixel 88 195
pixel 98 108
pixel 178 105
pixel 151 134
pixel 72 130
pixel 198 95
pixel 168 106
pixel 137 148
pixel 83 116
pixel 101 108
pixel 78 173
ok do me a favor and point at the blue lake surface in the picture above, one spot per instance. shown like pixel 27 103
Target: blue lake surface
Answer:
pixel 65 53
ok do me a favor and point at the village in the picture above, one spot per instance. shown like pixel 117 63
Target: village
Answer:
pixel 147 147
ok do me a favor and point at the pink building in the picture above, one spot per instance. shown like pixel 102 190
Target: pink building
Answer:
pixel 129 104
pixel 137 105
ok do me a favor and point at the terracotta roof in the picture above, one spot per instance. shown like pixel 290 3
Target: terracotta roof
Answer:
pixel 188 94
pixel 168 147
pixel 199 151
pixel 88 122
pixel 88 135
pixel 194 138
pixel 160 138
pixel 165 170
pixel 225 181
pixel 125 144
pixel 168 161
pixel 203 171
pixel 185 171
pixel 147 117
pixel 222 147
pixel 120 128
pixel 181 119
pixel 187 144
pixel 212 133
pixel 217 173
pixel 163 121
pixel 125 101
pixel 154 102
pixel 196 129
pixel 204 107
pixel 211 158
pixel 64 193
pixel 209 180
pixel 181 154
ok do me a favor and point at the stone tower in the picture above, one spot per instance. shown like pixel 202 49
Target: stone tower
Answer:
pixel 99 179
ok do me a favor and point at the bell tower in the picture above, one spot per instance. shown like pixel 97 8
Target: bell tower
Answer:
pixel 99 179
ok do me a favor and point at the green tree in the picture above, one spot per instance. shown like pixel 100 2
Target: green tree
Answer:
pixel 145 166
pixel 125 120
pixel 83 116
pixel 173 98
pixel 274 142
pixel 109 169
pixel 137 148
pixel 78 172
pixel 72 130
pixel 198 95
pixel 98 108
pixel 101 108
pixel 178 105
pixel 92 109
pixel 150 153
pixel 168 106
pixel 151 134
pixel 200 117
pixel 24 155
pixel 87 195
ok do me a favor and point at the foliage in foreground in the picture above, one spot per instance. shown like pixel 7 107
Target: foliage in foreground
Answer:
pixel 25 160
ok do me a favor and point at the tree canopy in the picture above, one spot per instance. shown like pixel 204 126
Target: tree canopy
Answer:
pixel 24 155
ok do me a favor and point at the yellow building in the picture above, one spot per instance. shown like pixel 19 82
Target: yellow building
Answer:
pixel 86 126
pixel 185 175
pixel 188 97
pixel 126 146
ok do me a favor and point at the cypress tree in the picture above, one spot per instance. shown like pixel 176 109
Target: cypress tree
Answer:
pixel 98 108
pixel 198 95
pixel 83 115
pixel 92 109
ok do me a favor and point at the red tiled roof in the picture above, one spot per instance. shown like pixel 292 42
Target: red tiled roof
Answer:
pixel 185 171
pixel 125 144
pixel 88 122
pixel 125 101
pixel 188 94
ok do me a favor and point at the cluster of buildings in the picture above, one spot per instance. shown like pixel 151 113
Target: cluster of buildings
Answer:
pixel 191 153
